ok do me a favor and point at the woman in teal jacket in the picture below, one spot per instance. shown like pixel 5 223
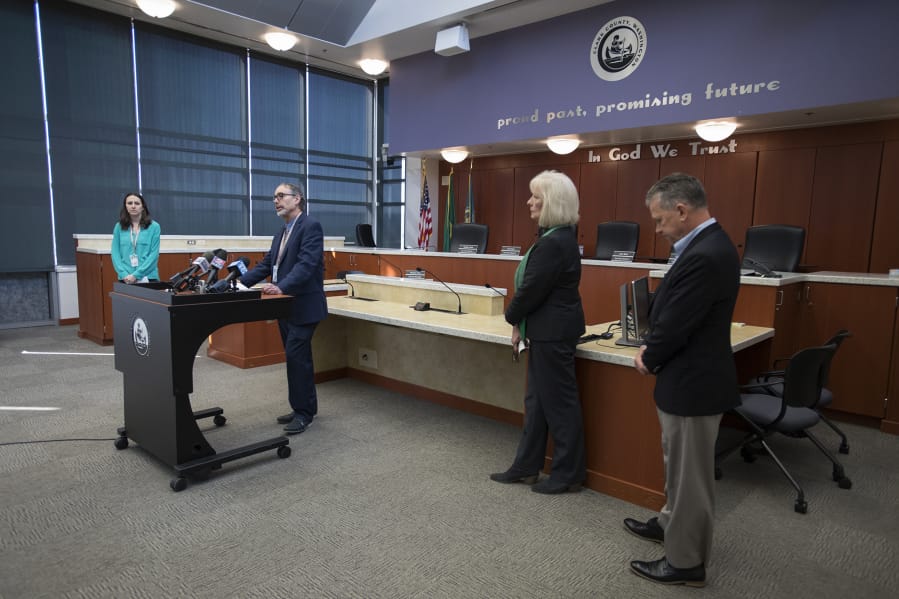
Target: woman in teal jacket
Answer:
pixel 135 242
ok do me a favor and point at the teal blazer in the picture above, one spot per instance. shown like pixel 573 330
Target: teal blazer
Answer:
pixel 147 252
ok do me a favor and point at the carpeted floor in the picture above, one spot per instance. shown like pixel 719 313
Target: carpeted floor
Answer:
pixel 384 496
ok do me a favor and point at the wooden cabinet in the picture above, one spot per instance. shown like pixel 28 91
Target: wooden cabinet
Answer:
pixel 861 367
pixel 890 422
pixel 336 262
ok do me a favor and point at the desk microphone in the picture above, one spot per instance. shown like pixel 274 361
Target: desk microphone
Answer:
pixel 352 289
pixel 495 290
pixel 762 269
pixel 389 263
pixel 458 297
pixel 215 265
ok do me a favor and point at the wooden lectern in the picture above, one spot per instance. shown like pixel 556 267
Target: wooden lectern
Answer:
pixel 158 334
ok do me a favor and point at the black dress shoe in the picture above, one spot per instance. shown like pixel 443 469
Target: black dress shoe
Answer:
pixel 662 572
pixel 510 476
pixel 650 530
pixel 297 425
pixel 286 418
pixel 551 487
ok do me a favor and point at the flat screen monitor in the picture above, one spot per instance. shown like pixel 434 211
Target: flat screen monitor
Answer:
pixel 634 312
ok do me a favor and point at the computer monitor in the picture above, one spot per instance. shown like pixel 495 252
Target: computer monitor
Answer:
pixel 634 312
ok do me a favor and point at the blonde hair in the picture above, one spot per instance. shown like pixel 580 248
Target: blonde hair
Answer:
pixel 560 199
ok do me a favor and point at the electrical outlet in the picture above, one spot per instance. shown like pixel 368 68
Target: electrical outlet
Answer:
pixel 191 242
pixel 368 358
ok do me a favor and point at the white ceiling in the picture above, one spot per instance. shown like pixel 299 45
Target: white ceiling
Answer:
pixel 392 29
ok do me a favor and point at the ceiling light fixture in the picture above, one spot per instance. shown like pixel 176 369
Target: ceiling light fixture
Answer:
pixel 373 66
pixel 280 40
pixel 158 9
pixel 563 145
pixel 454 155
pixel 715 130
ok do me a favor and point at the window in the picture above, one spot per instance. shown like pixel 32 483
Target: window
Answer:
pixel 340 152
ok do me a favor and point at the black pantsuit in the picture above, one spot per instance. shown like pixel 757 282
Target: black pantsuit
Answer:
pixel 552 406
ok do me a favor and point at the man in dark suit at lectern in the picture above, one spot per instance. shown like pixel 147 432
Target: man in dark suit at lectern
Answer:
pixel 688 349
pixel 296 265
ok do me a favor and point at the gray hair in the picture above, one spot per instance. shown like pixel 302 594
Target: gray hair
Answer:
pixel 677 187
pixel 296 188
pixel 560 199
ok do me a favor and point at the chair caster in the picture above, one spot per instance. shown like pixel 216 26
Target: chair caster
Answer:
pixel 718 473
pixel 844 483
pixel 747 455
pixel 284 452
pixel 219 420
pixel 178 484
pixel 844 448
pixel 800 506
pixel 121 443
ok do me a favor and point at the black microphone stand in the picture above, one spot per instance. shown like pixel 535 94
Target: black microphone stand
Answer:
pixel 458 297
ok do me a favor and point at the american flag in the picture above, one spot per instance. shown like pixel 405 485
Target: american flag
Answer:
pixel 424 216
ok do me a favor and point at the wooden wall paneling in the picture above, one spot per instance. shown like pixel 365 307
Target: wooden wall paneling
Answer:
pixel 730 189
pixel 885 242
pixel 691 165
pixel 634 180
pixel 841 223
pixel 599 291
pixel 494 190
pixel 597 194
pixel 783 187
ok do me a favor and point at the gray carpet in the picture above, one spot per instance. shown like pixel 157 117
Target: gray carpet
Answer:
pixel 384 496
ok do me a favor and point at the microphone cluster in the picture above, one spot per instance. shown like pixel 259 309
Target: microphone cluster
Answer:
pixel 209 264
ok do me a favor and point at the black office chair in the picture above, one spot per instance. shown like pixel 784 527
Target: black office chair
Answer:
pixel 772 383
pixel 616 235
pixel 469 234
pixel 793 414
pixel 364 236
pixel 774 247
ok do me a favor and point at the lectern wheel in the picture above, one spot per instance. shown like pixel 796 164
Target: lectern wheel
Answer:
pixel 121 443
pixel 178 484
pixel 219 420
pixel 284 452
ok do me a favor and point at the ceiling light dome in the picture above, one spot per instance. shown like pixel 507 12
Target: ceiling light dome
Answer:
pixel 715 130
pixel 280 40
pixel 454 155
pixel 158 9
pixel 373 66
pixel 563 145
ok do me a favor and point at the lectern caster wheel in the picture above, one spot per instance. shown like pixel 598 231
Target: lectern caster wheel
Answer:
pixel 800 507
pixel 284 452
pixel 178 484
pixel 121 443
pixel 219 420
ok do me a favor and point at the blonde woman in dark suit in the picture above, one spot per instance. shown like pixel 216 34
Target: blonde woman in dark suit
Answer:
pixel 546 313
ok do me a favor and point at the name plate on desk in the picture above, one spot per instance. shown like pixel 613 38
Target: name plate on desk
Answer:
pixel 510 250
pixel 467 248
pixel 622 256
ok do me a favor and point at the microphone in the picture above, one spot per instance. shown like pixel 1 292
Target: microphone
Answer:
pixel 200 265
pixel 236 269
pixel 761 269
pixel 215 265
pixel 495 290
pixel 389 263
pixel 176 278
pixel 352 289
pixel 425 270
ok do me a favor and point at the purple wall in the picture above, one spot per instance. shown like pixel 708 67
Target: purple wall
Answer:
pixel 820 53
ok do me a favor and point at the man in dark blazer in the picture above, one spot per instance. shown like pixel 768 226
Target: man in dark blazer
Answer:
pixel 688 349
pixel 296 266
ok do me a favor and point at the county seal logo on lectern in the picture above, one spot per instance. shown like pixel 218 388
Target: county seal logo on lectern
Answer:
pixel 140 335
pixel 618 48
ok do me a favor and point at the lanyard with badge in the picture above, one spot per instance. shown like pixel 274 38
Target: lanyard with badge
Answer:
pixel 134 236
pixel 284 237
